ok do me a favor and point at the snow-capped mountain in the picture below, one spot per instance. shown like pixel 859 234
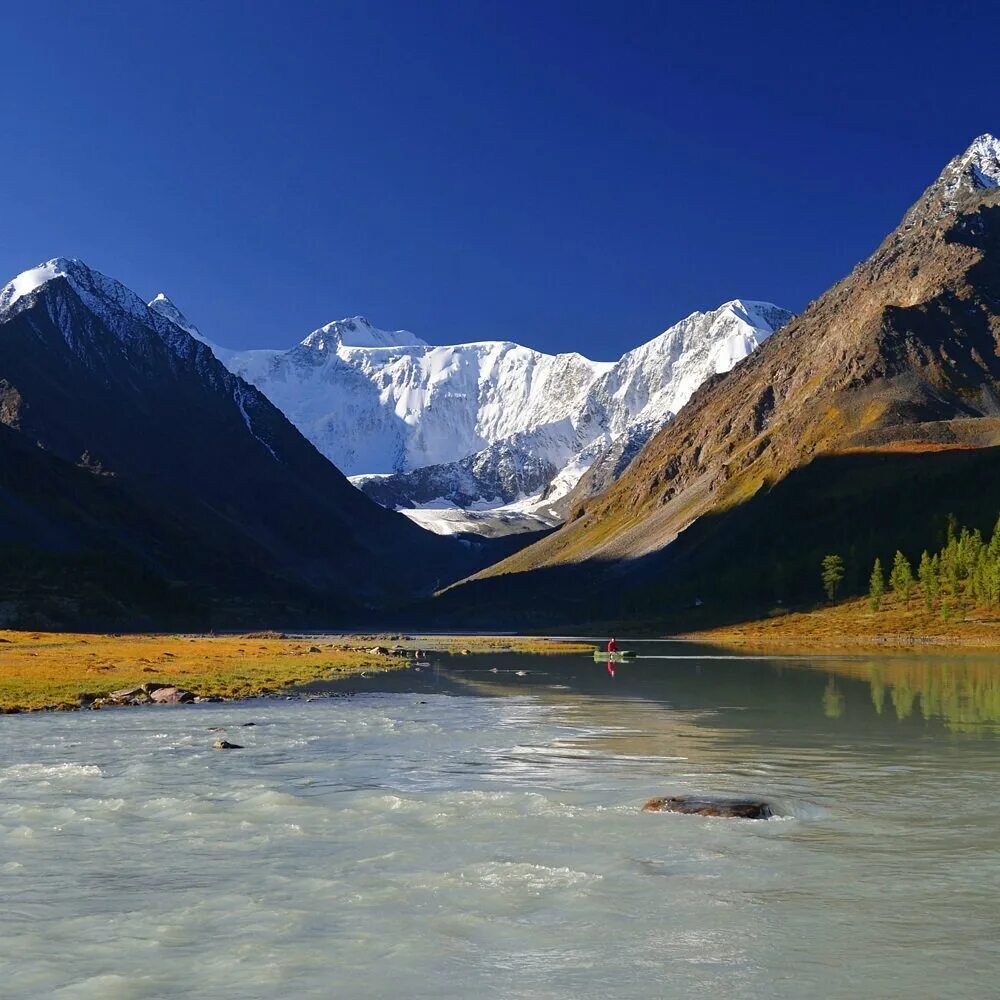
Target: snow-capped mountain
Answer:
pixel 973 171
pixel 485 424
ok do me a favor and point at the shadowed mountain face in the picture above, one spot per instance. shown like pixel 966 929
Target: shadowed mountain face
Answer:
pixel 129 453
pixel 901 355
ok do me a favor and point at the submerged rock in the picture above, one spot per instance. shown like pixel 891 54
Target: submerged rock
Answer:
pixel 700 805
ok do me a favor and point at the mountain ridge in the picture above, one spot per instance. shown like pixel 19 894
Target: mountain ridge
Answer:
pixel 890 358
pixel 420 426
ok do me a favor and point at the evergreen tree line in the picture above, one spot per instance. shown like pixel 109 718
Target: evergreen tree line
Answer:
pixel 964 573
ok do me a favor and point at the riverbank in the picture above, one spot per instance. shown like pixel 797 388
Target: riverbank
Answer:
pixel 52 670
pixel 854 625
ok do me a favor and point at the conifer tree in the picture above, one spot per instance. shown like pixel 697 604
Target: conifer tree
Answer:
pixel 832 574
pixel 901 577
pixel 994 546
pixel 927 574
pixel 876 586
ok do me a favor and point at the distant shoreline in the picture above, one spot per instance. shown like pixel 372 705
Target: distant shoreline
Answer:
pixel 854 625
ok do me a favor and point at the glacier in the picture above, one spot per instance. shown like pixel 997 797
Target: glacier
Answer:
pixel 484 426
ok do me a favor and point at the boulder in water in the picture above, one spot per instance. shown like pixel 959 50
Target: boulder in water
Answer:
pixel 701 805
pixel 226 745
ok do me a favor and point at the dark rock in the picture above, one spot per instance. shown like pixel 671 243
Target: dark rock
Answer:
pixel 226 745
pixel 171 696
pixel 150 686
pixel 245 724
pixel 697 805
pixel 315 649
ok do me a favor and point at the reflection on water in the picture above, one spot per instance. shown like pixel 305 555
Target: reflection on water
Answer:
pixel 962 691
pixel 964 695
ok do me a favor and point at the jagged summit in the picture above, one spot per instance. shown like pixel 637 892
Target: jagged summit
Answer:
pixel 981 161
pixel 964 178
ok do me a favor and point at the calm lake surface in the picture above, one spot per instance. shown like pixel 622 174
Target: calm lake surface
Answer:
pixel 457 832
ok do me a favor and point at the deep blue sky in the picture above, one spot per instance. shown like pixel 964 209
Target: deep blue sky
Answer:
pixel 575 176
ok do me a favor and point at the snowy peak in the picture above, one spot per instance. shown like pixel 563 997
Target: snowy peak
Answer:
pixel 759 315
pixel 357 331
pixel 75 271
pixel 104 296
pixel 972 172
pixel 981 162
pixel 30 281
pixel 163 305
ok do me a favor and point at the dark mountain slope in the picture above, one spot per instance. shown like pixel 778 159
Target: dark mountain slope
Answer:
pixel 154 451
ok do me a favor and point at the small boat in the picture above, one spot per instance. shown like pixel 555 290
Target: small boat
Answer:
pixel 619 656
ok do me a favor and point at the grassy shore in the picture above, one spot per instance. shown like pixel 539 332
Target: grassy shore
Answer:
pixel 48 670
pixel 853 624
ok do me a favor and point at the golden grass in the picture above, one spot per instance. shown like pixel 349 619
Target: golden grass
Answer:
pixel 52 670
pixel 853 624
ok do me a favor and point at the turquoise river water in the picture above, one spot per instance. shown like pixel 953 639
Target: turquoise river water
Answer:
pixel 470 831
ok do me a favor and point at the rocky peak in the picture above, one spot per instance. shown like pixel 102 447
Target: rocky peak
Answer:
pixel 165 306
pixel 964 178
pixel 980 163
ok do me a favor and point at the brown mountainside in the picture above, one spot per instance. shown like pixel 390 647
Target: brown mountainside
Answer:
pixel 901 355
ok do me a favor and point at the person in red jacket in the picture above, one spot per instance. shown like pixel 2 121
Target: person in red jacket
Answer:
pixel 612 646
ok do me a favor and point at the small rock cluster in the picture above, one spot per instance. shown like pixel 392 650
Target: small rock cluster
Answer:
pixel 145 694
